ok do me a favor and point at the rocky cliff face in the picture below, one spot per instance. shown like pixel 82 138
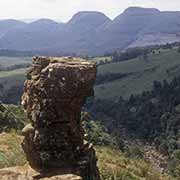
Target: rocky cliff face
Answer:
pixel 55 91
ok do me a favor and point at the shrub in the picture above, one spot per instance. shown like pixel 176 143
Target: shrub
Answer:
pixel 134 152
pixel 97 134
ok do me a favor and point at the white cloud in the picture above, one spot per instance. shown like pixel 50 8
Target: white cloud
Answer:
pixel 64 9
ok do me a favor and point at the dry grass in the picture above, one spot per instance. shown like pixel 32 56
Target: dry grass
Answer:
pixel 114 165
pixel 11 153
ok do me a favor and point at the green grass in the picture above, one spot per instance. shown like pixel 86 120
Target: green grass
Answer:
pixel 165 65
pixel 12 78
pixel 17 73
pixel 13 73
pixel 9 61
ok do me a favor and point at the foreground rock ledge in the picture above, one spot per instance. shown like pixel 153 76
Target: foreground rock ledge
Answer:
pixel 54 93
pixel 26 173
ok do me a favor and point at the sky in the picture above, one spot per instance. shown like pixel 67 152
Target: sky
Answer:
pixel 63 10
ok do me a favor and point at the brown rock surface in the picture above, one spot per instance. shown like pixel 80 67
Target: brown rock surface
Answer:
pixel 26 173
pixel 55 91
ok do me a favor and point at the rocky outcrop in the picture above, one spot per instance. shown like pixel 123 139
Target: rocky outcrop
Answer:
pixel 26 173
pixel 55 91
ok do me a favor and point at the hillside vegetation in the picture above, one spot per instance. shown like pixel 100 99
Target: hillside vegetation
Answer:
pixel 12 76
pixel 139 74
pixel 152 116
pixel 115 78
pixel 113 163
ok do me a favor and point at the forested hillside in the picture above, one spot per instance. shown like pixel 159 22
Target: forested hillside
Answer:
pixel 152 117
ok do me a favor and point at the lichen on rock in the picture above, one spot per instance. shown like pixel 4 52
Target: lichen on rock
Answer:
pixel 54 93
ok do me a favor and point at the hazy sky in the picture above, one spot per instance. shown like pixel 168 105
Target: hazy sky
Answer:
pixel 63 10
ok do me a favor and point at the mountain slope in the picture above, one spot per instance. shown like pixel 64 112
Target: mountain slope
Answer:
pixel 34 36
pixel 138 74
pixel 165 27
pixel 79 34
pixel 122 31
pixel 6 25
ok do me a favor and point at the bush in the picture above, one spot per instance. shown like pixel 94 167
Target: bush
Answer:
pixel 11 118
pixel 97 134
pixel 174 165
pixel 134 152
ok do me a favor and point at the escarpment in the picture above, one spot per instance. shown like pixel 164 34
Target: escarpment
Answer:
pixel 54 93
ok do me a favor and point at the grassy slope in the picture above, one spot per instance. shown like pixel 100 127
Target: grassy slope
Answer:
pixel 113 164
pixel 144 73
pixel 18 72
pixel 11 78
pixel 9 61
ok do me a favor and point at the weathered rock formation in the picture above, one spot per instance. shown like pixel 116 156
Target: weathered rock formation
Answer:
pixel 54 92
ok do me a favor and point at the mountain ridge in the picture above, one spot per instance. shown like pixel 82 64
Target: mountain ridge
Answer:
pixel 93 33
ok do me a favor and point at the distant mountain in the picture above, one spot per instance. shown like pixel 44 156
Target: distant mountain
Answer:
pixel 140 27
pixel 33 36
pixel 9 24
pixel 92 32
pixel 79 35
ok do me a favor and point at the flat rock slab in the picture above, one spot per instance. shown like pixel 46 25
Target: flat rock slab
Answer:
pixel 26 173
